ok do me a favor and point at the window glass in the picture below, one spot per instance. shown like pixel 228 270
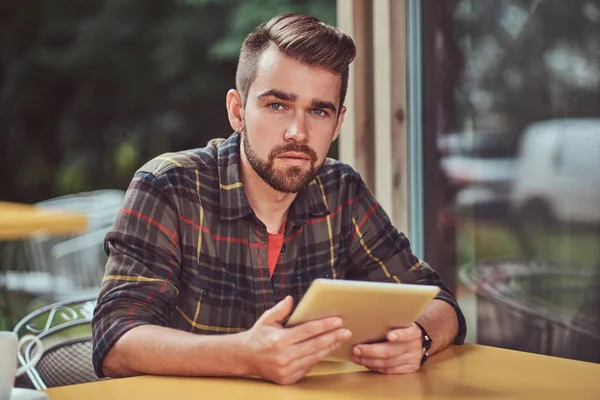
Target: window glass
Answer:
pixel 511 134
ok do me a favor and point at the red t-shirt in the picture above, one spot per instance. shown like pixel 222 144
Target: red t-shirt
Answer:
pixel 275 244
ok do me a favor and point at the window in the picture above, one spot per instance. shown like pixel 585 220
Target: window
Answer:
pixel 510 97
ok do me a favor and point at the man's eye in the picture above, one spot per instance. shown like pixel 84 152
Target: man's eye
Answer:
pixel 276 106
pixel 320 113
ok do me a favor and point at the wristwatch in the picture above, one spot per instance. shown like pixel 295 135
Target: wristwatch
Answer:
pixel 426 343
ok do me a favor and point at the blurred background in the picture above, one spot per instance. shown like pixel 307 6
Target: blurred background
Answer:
pixel 508 117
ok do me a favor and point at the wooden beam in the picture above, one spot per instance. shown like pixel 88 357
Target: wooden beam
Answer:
pixel 347 141
pixel 400 170
pixel 383 110
pixel 356 139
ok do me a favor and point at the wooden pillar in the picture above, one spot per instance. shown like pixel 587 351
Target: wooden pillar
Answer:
pixel 400 170
pixel 374 137
pixel 356 138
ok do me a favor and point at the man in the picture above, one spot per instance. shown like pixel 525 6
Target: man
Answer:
pixel 214 246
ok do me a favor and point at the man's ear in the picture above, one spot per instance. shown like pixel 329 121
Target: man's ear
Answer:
pixel 234 109
pixel 338 125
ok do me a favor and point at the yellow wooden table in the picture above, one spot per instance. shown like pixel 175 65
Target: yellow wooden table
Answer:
pixel 20 221
pixel 460 372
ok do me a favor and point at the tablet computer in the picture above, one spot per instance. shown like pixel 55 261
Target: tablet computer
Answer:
pixel 368 309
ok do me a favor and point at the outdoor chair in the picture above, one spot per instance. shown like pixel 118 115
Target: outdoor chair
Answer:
pixel 65 331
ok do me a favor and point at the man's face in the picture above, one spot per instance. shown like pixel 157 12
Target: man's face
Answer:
pixel 290 120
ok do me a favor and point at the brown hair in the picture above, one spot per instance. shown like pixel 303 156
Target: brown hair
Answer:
pixel 301 37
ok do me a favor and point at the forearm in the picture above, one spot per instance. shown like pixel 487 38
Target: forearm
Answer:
pixel 441 323
pixel 156 350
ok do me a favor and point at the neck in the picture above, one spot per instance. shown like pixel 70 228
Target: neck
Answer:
pixel 269 205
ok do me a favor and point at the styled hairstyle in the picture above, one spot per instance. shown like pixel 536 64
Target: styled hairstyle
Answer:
pixel 301 37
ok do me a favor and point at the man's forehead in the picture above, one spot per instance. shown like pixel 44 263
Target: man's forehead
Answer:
pixel 276 70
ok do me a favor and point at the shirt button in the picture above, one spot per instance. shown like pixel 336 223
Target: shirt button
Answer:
pixel 283 247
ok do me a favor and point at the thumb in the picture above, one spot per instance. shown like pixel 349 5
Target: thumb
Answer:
pixel 278 313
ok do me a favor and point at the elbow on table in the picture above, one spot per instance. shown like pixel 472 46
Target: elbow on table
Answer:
pixel 114 364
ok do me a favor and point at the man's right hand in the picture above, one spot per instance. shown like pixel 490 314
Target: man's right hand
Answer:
pixel 285 355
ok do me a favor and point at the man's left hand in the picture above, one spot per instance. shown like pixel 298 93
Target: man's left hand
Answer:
pixel 400 354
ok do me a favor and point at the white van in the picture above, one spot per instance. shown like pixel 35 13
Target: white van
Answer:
pixel 558 172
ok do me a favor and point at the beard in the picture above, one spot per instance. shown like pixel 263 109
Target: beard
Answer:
pixel 293 179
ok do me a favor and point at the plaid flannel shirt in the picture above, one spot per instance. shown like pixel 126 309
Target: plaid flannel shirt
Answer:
pixel 186 250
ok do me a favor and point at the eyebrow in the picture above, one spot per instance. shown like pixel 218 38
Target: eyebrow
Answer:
pixel 324 104
pixel 281 95
pixel 278 94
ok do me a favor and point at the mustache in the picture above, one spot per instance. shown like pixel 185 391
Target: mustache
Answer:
pixel 295 147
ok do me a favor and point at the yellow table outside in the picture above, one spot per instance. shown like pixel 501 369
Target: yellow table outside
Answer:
pixel 20 221
pixel 460 372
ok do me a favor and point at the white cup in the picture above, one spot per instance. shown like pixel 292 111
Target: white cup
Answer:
pixel 9 346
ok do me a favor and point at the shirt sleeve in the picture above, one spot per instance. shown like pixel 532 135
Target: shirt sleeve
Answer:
pixel 378 252
pixel 141 279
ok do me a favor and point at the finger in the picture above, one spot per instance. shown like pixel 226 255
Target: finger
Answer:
pixel 323 341
pixel 405 334
pixel 294 376
pixel 302 365
pixel 314 328
pixel 378 363
pixel 278 313
pixel 404 369
pixel 381 350
pixel 308 361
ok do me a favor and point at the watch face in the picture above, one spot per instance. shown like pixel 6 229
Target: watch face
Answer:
pixel 426 342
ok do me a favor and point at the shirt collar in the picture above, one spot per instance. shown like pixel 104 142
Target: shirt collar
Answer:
pixel 233 201
pixel 309 203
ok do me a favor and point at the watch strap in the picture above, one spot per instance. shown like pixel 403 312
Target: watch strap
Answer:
pixel 426 343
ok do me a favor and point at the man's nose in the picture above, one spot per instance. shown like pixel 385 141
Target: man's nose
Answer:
pixel 297 132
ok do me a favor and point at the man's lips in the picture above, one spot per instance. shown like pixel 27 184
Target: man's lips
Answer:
pixel 294 158
pixel 294 154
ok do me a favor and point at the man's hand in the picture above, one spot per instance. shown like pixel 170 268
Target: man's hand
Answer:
pixel 400 354
pixel 285 355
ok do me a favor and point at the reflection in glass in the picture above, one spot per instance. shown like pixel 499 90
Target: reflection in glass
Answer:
pixel 512 167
